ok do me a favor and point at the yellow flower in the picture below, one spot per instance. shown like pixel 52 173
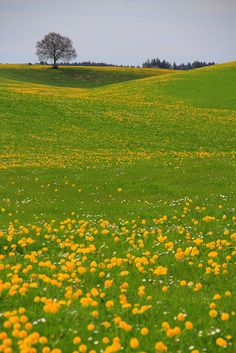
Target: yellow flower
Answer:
pixel 90 327
pixel 109 304
pixel 217 296
pixel 160 270
pixel 76 340
pixel 165 325
pixel 181 316
pixel 160 347
pixel 227 293
pixel 51 307
pixel 221 342
pixel 134 343
pixel 198 286
pixel 106 324
pixel 108 283
pixel 224 316
pixel 188 325
pixel 46 350
pixel 43 340
pixel 165 288
pixel 213 313
pixel 95 313
pixel 177 330
pixel 183 283
pixel 124 273
pixel 81 270
pixel 83 348
pixel 105 340
pixel 170 332
pixel 144 331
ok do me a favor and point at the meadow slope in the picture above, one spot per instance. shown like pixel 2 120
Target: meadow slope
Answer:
pixel 117 226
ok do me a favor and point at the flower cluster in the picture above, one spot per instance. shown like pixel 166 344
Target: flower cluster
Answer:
pixel 141 285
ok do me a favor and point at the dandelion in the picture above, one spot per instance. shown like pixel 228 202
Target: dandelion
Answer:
pixel 181 317
pixel 221 342
pixel 83 348
pixel 188 325
pixel 213 313
pixel 134 343
pixel 224 316
pixel 144 331
pixel 160 270
pixel 160 347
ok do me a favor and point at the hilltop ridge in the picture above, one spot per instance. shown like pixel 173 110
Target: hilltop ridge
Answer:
pixel 75 76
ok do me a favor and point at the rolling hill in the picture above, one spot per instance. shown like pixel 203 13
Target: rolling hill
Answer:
pixel 184 116
pixel 117 221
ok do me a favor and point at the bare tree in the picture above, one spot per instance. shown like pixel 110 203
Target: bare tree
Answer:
pixel 53 47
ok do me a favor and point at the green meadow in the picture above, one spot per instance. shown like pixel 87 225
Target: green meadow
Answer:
pixel 117 199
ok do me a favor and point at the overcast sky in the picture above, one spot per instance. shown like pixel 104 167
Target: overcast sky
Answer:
pixel 122 31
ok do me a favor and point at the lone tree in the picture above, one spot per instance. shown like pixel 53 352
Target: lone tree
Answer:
pixel 53 47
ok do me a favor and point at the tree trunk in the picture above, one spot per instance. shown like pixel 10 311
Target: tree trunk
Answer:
pixel 54 64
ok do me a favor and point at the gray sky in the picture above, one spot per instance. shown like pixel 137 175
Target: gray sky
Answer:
pixel 122 31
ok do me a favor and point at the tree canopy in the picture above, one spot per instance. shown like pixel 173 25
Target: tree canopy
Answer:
pixel 53 47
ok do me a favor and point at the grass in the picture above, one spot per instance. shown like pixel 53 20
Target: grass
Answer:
pixel 117 191
pixel 81 77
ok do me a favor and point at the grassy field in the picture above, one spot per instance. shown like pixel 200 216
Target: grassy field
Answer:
pixel 117 210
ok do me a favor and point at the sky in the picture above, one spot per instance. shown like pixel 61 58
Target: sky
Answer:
pixel 123 32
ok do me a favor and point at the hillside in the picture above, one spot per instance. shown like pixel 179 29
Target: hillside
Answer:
pixel 138 120
pixel 117 221
pixel 69 76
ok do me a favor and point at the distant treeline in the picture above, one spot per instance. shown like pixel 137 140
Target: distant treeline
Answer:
pixel 153 63
pixel 166 65
pixel 85 63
